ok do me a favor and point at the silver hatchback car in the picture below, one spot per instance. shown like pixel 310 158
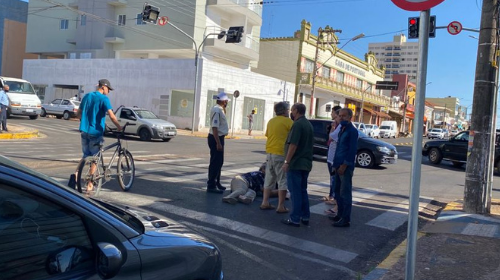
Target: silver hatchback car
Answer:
pixel 49 231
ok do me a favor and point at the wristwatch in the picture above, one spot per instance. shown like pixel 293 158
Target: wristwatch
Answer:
pixel 286 162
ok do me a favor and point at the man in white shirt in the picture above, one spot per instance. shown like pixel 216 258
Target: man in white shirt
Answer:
pixel 218 130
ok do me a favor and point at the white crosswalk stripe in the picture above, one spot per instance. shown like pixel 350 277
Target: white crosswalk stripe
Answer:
pixel 393 210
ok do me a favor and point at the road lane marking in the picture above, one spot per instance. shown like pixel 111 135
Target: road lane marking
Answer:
pixel 265 234
pixel 358 195
pixel 267 246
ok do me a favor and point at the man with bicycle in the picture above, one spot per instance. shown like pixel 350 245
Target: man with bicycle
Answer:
pixel 92 114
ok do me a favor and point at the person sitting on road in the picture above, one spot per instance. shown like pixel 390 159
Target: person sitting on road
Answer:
pixel 244 187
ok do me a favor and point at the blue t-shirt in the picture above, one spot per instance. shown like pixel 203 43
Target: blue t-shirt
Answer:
pixel 94 107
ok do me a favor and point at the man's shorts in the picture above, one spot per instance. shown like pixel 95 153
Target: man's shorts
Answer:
pixel 90 144
pixel 275 173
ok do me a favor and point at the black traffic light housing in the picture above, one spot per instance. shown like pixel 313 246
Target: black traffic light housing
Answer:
pixel 413 27
pixel 234 34
pixel 413 23
pixel 150 13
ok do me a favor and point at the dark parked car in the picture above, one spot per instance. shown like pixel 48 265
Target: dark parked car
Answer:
pixel 454 150
pixel 371 152
pixel 49 231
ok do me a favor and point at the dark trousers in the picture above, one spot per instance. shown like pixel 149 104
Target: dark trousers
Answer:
pixel 216 161
pixel 343 193
pixel 3 117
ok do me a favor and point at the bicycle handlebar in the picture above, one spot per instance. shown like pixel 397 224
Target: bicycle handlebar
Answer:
pixel 122 132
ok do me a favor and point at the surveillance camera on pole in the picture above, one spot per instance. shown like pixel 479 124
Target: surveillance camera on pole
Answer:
pixel 150 14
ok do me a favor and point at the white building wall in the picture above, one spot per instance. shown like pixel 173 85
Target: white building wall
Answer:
pixel 141 82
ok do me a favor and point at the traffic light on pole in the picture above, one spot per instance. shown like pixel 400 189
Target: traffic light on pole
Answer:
pixel 413 23
pixel 234 34
pixel 432 27
pixel 150 13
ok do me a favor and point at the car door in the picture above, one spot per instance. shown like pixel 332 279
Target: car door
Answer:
pixel 321 130
pixel 456 147
pixel 128 116
pixel 45 236
pixel 65 106
pixel 51 108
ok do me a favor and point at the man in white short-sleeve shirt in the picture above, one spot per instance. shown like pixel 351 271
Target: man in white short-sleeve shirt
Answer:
pixel 218 130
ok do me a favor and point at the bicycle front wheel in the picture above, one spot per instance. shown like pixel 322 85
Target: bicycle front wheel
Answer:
pixel 90 175
pixel 126 170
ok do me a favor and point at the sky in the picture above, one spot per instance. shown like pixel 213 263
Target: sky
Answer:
pixel 452 58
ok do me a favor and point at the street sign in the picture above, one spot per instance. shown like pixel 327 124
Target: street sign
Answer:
pixel 387 85
pixel 416 5
pixel 162 21
pixel 454 27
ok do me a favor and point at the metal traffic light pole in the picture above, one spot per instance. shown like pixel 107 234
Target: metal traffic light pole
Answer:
pixel 416 155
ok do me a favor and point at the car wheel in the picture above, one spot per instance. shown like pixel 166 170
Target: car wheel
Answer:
pixel 144 134
pixel 457 163
pixel 34 117
pixel 66 115
pixel 365 159
pixel 435 156
pixel 43 113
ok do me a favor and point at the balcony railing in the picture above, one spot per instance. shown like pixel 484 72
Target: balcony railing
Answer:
pixel 257 8
pixel 352 92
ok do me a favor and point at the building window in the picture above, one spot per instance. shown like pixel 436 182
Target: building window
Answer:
pixel 64 24
pixel 309 67
pixel 122 19
pixel 359 84
pixel 340 77
pixel 325 72
pixel 83 20
pixel 139 20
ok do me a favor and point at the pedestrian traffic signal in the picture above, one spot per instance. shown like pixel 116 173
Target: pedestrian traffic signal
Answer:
pixel 413 23
pixel 234 34
pixel 150 13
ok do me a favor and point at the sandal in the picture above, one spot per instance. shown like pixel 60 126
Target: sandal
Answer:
pixel 283 211
pixel 267 207
pixel 331 202
pixel 326 198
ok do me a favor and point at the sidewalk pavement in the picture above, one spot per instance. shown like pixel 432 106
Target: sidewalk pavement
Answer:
pixel 18 132
pixel 458 246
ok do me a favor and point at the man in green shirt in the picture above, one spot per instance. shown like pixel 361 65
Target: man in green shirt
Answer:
pixel 298 164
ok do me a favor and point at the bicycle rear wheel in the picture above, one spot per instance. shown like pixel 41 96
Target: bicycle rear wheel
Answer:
pixel 125 170
pixel 89 178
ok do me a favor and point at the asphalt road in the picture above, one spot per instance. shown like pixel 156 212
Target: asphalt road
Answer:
pixel 254 244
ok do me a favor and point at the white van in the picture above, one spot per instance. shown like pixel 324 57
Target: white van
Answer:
pixel 388 129
pixel 22 98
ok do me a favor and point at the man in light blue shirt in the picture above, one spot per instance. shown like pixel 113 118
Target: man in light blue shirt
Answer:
pixel 4 103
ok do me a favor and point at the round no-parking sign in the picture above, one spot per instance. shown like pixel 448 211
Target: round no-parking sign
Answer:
pixel 162 21
pixel 416 5
pixel 454 27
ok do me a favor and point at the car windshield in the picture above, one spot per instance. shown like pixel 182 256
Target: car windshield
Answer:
pixel 123 215
pixel 20 87
pixel 368 126
pixel 436 130
pixel 385 127
pixel 145 114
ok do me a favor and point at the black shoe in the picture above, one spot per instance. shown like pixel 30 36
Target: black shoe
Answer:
pixel 335 219
pixel 72 181
pixel 304 222
pixel 341 223
pixel 220 187
pixel 289 222
pixel 214 190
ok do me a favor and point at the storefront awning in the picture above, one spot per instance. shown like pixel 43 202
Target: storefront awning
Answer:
pixel 370 111
pixel 384 115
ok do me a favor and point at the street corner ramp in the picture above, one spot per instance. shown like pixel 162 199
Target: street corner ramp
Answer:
pixel 19 132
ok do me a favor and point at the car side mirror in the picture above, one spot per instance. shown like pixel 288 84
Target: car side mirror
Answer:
pixel 109 260
pixel 132 118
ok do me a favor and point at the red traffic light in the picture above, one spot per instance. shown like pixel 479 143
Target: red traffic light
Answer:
pixel 413 21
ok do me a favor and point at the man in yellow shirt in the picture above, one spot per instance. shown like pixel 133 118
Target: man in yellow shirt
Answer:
pixel 276 133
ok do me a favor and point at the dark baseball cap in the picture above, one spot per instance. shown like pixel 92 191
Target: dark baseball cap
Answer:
pixel 105 82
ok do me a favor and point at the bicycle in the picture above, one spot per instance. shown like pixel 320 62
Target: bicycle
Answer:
pixel 93 171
